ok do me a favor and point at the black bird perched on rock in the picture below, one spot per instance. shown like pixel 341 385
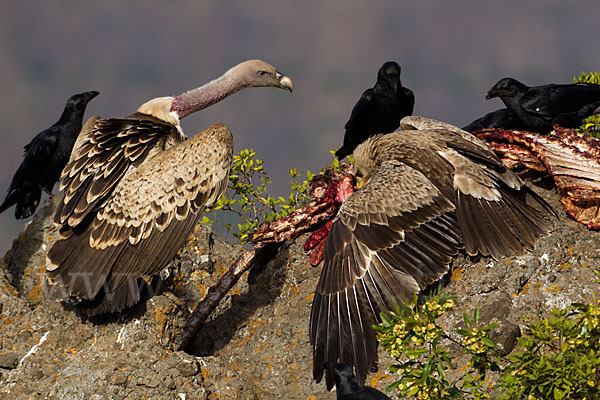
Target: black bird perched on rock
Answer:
pixel 379 110
pixel 540 107
pixel 347 386
pixel 432 189
pixel 45 157
pixel 502 118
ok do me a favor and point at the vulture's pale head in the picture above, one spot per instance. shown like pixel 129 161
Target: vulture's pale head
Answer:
pixel 257 73
pixel 366 158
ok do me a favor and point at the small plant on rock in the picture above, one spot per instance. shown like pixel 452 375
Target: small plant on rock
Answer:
pixel 591 124
pixel 412 331
pixel 592 77
pixel 560 357
pixel 247 196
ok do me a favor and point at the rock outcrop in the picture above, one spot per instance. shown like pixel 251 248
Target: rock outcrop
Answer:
pixel 255 345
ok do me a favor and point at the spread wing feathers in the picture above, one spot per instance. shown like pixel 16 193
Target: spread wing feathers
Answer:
pixel 434 193
pixel 148 217
pixel 108 278
pixel 494 218
pixel 389 240
pixel 397 199
pixel 169 186
pixel 102 155
pixel 499 228
pixel 465 143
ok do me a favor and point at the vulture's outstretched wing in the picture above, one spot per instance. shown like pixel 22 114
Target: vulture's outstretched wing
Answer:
pixel 102 155
pixel 389 240
pixel 147 218
pixel 434 189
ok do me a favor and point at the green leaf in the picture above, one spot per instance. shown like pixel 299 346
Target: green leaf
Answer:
pixel 385 319
pixel 416 352
pixel 490 326
pixel 464 332
pixel 467 321
pixel 393 386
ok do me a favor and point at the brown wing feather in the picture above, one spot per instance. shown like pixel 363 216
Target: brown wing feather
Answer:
pixel 147 218
pixel 105 150
pixel 434 192
pixel 369 264
pixel 493 216
pixel 465 143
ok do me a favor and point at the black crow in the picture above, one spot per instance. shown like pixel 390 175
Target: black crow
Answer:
pixel 502 118
pixel 45 157
pixel 379 110
pixel 347 386
pixel 540 107
pixel 573 119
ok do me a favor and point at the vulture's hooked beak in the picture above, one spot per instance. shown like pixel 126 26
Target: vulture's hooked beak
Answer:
pixel 360 180
pixel 284 81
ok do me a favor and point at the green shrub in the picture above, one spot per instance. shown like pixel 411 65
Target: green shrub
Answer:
pixel 592 77
pixel 248 199
pixel 590 125
pixel 560 357
pixel 412 331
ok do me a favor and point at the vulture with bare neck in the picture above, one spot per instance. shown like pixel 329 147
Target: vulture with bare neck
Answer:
pixel 432 190
pixel 135 187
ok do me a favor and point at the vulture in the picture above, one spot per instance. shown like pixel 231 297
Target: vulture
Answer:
pixel 502 118
pixel 379 109
pixel 347 387
pixel 540 107
pixel 135 187
pixel 45 157
pixel 431 190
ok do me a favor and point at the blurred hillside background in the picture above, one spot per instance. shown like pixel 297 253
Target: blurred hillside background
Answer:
pixel 451 53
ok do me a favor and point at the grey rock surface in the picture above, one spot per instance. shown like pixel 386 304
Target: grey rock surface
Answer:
pixel 255 345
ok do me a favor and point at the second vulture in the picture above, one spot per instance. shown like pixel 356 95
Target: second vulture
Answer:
pixel 135 187
pixel 432 189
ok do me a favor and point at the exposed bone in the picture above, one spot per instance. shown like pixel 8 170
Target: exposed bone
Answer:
pixel 570 157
